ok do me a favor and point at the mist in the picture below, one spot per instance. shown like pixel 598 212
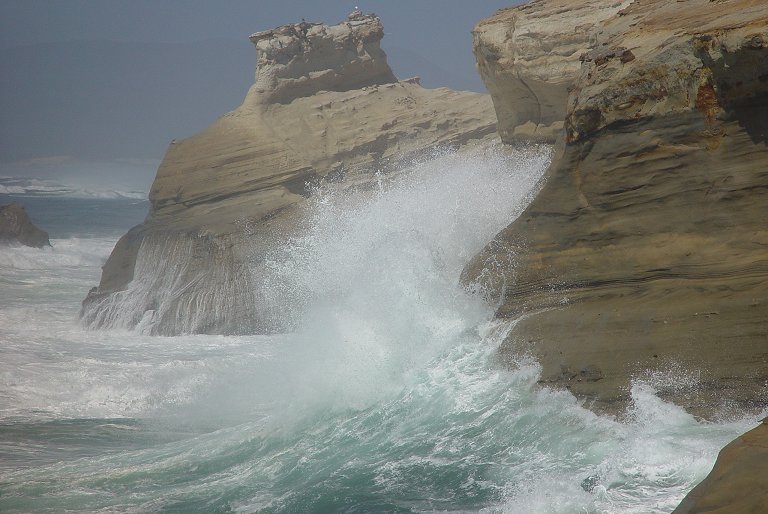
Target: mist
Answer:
pixel 92 92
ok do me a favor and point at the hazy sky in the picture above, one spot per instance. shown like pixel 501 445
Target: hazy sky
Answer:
pixel 95 89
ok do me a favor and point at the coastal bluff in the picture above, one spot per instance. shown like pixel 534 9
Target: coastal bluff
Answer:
pixel 645 254
pixel 644 257
pixel 325 108
pixel 528 58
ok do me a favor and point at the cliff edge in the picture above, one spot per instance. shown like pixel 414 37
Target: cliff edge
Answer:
pixel 325 108
pixel 645 255
pixel 528 58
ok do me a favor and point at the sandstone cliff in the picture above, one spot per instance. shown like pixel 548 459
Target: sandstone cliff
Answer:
pixel 16 227
pixel 325 107
pixel 528 57
pixel 646 252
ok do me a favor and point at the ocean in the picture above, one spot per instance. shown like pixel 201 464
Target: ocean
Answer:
pixel 384 398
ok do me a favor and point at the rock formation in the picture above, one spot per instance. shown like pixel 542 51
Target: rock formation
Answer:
pixel 528 57
pixel 299 60
pixel 325 107
pixel 17 228
pixel 737 483
pixel 646 252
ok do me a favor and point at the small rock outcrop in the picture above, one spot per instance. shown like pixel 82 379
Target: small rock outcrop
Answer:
pixel 737 482
pixel 325 108
pixel 17 228
pixel 646 251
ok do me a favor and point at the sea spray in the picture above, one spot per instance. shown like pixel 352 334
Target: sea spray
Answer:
pixel 385 397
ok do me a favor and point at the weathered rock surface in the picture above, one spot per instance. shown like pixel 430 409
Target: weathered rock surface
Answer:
pixel 299 60
pixel 528 57
pixel 16 227
pixel 325 108
pixel 736 485
pixel 646 251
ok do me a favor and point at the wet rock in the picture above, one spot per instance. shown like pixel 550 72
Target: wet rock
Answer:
pixel 589 483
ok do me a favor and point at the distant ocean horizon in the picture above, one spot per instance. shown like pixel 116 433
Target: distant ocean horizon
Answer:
pixel 66 211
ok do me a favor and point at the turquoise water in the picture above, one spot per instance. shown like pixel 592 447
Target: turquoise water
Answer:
pixel 385 397
pixel 65 217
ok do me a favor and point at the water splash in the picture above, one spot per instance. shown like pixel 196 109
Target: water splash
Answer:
pixel 384 397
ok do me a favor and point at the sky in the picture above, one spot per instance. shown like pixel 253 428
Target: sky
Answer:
pixel 92 91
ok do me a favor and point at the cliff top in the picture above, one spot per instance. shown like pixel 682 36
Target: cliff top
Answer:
pixel 300 59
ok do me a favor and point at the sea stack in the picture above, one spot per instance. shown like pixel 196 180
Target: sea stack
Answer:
pixel 17 228
pixel 325 107
pixel 646 251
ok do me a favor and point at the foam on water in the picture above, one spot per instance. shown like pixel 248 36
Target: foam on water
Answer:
pixel 385 397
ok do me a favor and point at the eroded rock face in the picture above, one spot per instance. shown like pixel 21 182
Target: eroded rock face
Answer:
pixel 737 482
pixel 645 255
pixel 301 59
pixel 325 108
pixel 16 227
pixel 528 57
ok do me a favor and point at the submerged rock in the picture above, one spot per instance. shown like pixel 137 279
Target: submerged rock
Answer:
pixel 325 108
pixel 16 227
pixel 645 254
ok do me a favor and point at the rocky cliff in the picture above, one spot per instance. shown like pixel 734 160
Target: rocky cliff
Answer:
pixel 645 255
pixel 324 108
pixel 17 228
pixel 528 57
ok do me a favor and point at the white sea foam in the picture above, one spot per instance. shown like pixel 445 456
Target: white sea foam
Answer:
pixel 22 186
pixel 62 253
pixel 386 396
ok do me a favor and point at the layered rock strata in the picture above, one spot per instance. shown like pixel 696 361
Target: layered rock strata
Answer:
pixel 645 255
pixel 299 60
pixel 528 57
pixel 17 228
pixel 325 108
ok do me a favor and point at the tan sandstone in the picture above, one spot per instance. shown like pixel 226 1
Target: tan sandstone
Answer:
pixel 324 108
pixel 645 255
pixel 528 57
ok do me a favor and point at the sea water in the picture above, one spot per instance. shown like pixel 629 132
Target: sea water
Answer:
pixel 385 396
